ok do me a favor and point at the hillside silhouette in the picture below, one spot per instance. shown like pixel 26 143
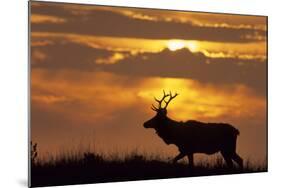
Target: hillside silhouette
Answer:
pixel 91 167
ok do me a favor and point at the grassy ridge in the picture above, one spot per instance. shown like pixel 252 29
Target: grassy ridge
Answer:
pixel 94 168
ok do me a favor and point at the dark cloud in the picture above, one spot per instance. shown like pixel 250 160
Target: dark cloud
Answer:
pixel 66 55
pixel 185 64
pixel 108 23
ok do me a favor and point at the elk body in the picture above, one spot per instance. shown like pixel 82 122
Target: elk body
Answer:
pixel 193 136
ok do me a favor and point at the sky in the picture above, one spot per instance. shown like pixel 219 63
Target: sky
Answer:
pixel 95 71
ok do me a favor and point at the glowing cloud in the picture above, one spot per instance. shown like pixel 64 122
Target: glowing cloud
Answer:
pixel 38 18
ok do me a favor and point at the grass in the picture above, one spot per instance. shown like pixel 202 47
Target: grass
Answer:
pixel 83 168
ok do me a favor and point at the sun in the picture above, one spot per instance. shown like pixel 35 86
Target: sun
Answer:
pixel 175 44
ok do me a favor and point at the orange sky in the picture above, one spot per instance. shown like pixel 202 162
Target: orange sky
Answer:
pixel 95 71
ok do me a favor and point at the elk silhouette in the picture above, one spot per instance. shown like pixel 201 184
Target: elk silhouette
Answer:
pixel 193 136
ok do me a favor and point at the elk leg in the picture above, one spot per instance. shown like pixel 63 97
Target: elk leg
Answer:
pixel 190 160
pixel 238 159
pixel 178 157
pixel 228 160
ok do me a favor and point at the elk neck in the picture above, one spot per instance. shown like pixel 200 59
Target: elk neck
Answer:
pixel 166 128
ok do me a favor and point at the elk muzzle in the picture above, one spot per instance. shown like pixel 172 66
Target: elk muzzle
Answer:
pixel 149 123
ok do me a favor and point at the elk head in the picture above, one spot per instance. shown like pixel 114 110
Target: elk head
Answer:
pixel 161 112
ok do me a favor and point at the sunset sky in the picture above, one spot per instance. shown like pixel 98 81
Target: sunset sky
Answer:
pixel 96 69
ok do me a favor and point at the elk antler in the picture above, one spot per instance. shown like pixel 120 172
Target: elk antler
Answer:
pixel 159 102
pixel 163 99
pixel 171 98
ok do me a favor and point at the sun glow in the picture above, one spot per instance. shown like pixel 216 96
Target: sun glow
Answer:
pixel 200 101
pixel 192 46
pixel 174 45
